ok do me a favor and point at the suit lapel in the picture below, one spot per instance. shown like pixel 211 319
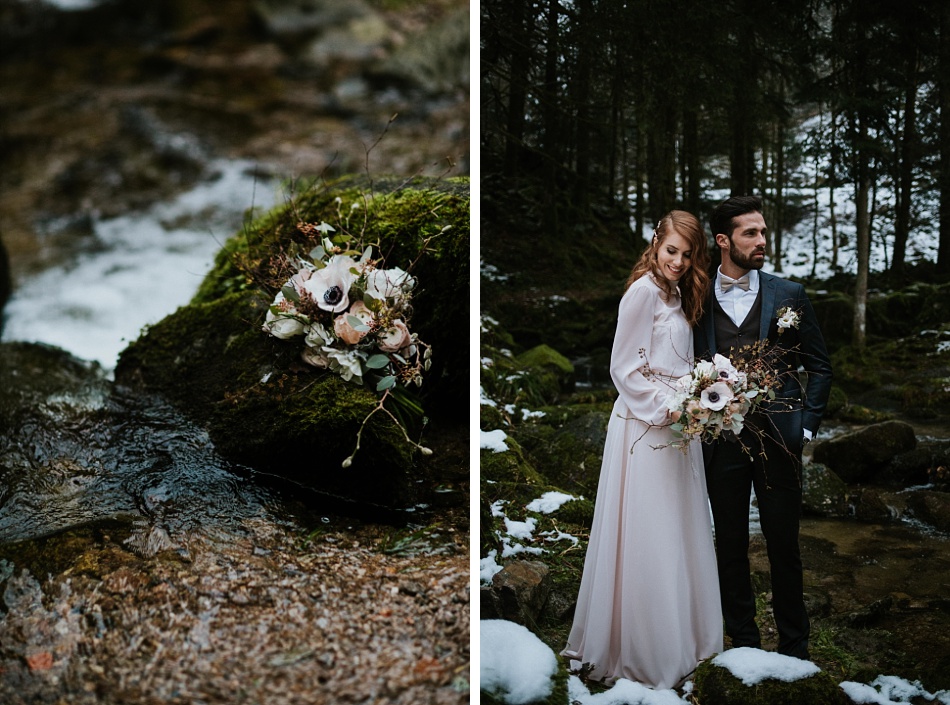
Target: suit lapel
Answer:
pixel 768 284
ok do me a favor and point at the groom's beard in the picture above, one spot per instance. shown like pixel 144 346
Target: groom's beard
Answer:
pixel 745 261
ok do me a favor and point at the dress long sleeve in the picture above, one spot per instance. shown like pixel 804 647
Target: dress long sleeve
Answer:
pixel 641 322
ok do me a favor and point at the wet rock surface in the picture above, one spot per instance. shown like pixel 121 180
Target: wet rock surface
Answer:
pixel 136 565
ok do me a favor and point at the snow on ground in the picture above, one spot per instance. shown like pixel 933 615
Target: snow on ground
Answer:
pixel 518 535
pixel 891 690
pixel 517 667
pixel 549 502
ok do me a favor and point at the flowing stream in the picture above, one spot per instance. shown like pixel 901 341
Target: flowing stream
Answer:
pixel 135 269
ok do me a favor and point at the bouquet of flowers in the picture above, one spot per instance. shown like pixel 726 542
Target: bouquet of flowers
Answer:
pixel 717 396
pixel 352 313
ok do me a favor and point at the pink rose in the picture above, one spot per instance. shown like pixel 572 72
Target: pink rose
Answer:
pixel 345 330
pixel 394 338
pixel 696 410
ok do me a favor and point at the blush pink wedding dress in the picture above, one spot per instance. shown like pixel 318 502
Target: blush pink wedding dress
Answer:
pixel 648 608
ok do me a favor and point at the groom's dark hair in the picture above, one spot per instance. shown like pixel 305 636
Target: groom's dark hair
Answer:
pixel 721 220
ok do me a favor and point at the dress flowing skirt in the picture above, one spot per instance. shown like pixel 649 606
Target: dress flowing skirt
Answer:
pixel 648 608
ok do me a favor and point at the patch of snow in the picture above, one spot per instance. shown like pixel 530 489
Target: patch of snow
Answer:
pixel 752 666
pixel 549 502
pixel 487 567
pixel 516 666
pixel 624 692
pixel 494 441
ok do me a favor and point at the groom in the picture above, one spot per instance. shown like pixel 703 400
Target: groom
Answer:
pixel 743 308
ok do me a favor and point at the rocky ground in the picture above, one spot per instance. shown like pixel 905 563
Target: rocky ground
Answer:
pixel 367 615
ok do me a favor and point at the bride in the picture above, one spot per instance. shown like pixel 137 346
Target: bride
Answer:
pixel 648 607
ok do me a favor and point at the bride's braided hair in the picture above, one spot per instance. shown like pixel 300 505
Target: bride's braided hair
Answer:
pixel 695 281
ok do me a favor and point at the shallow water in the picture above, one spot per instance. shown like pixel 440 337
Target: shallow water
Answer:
pixel 98 295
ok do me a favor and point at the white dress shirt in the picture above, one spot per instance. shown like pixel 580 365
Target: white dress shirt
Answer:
pixel 737 302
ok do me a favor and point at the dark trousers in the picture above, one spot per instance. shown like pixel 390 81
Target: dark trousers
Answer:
pixel 730 476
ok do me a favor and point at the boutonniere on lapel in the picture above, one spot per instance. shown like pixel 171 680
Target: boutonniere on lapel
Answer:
pixel 788 318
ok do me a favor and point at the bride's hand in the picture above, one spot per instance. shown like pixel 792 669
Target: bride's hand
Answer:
pixel 675 416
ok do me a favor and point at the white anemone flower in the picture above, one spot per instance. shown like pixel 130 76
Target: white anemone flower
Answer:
pixel 330 286
pixel 716 396
pixel 725 369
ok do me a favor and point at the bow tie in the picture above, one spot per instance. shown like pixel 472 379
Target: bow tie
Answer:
pixel 725 283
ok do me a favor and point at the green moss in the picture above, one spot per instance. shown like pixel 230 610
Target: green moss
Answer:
pixel 837 401
pixel 397 216
pixel 510 467
pixel 855 413
pixel 265 408
pixel 300 422
pixel 717 686
pixel 87 550
pixel 856 370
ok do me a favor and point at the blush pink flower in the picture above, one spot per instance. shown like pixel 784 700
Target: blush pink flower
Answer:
pixel 394 338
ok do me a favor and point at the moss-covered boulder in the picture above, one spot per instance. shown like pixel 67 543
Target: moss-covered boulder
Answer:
pixel 716 685
pixel 857 456
pixel 260 404
pixel 551 374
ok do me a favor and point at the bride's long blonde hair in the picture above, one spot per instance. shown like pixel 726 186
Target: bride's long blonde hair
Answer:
pixel 695 282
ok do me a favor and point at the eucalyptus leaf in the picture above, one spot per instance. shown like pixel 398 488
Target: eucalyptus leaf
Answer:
pixel 357 324
pixel 677 427
pixel 385 383
pixel 377 362
pixel 290 293
pixel 318 253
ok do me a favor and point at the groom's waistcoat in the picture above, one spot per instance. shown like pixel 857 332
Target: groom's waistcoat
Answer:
pixel 730 337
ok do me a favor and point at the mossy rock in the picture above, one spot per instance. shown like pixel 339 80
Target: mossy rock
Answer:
pixel 400 214
pixel 509 467
pixel 856 370
pixel 262 407
pixel 717 686
pixel 837 400
pixel 855 413
pixel 857 456
pixel 260 404
pixel 551 374
pixel 570 454
pixel 490 417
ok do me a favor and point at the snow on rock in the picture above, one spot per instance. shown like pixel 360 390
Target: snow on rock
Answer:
pixel 487 567
pixel 549 502
pixel 516 666
pixel 624 692
pixel 752 666
pixel 494 441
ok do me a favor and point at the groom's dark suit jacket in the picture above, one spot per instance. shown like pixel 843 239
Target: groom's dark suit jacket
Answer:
pixel 797 405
